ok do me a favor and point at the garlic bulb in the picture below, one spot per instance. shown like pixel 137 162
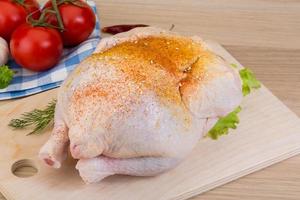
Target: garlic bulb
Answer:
pixel 4 52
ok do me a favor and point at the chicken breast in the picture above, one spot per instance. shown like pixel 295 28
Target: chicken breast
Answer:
pixel 139 104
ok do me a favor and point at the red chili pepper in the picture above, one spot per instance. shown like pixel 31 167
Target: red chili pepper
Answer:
pixel 121 28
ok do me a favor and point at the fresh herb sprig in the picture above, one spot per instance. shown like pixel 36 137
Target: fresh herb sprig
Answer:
pixel 39 119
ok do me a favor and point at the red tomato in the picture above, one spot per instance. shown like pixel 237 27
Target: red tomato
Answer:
pixel 36 48
pixel 79 21
pixel 13 14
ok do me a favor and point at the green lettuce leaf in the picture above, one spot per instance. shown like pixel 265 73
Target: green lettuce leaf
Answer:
pixel 224 124
pixel 231 120
pixel 6 76
pixel 249 81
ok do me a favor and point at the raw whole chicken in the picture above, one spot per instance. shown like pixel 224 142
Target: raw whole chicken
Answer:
pixel 139 104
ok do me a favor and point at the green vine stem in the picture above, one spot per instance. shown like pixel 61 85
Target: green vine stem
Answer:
pixel 55 7
pixel 41 21
pixel 21 2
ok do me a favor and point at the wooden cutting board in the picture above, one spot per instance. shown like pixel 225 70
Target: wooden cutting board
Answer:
pixel 268 133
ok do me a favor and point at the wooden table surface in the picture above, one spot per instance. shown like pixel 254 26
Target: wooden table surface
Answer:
pixel 263 35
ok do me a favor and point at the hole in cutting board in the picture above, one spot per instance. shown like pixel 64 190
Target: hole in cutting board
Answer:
pixel 24 168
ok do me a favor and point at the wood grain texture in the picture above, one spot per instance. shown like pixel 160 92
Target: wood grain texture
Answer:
pixel 255 23
pixel 261 34
pixel 278 69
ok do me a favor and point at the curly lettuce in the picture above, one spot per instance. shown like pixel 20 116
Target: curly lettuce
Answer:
pixel 6 76
pixel 249 81
pixel 224 124
pixel 230 121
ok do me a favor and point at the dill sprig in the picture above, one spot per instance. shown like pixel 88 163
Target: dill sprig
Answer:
pixel 38 119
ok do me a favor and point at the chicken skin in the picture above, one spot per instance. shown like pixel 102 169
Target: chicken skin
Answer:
pixel 139 104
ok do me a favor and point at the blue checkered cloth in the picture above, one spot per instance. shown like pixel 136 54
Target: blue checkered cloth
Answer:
pixel 26 82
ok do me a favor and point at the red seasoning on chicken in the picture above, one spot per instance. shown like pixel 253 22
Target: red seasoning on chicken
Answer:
pixel 140 103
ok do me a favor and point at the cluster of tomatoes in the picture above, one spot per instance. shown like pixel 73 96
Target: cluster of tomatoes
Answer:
pixel 37 36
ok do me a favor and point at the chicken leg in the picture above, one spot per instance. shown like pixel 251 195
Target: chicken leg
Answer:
pixel 55 149
pixel 96 169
